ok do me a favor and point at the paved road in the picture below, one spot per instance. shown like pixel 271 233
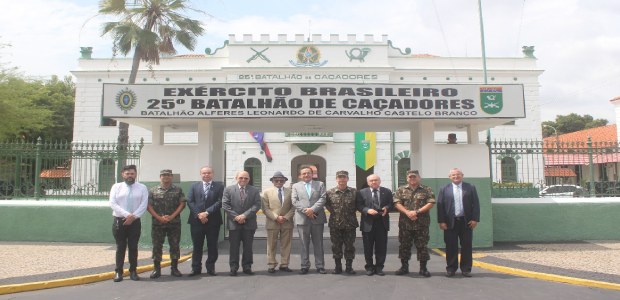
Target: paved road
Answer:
pixel 484 285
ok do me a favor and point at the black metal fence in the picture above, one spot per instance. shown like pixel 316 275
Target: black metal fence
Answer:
pixel 552 168
pixel 62 170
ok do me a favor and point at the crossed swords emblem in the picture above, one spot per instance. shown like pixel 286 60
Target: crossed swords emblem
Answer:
pixel 259 54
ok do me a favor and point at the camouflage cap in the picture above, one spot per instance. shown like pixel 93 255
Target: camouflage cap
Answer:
pixel 413 172
pixel 342 173
pixel 165 172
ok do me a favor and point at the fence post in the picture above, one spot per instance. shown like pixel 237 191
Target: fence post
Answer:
pixel 37 174
pixel 591 162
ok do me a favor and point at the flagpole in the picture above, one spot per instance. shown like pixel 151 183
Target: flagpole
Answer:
pixel 484 54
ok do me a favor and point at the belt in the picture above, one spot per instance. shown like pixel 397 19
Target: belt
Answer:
pixel 459 218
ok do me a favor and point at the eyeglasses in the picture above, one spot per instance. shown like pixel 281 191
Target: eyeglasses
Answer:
pixel 412 176
pixel 167 175
pixel 244 178
pixel 279 180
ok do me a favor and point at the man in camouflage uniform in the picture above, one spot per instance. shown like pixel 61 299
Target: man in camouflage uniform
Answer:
pixel 166 201
pixel 340 202
pixel 414 201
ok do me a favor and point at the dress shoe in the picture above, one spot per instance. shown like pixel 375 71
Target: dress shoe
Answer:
pixel 193 273
pixel 449 274
pixel 233 272
pixel 211 272
pixel 380 272
pixel 321 271
pixel 133 275
pixel 285 269
pixel 466 274
pixel 248 271
pixel 303 271
pixel 118 276
pixel 271 270
pixel 370 272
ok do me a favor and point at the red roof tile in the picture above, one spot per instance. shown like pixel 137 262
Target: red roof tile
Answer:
pixel 602 137
pixel 559 172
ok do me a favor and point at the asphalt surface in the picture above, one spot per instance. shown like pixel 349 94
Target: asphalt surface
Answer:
pixel 485 283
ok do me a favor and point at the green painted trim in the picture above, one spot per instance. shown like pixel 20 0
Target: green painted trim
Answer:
pixel 546 222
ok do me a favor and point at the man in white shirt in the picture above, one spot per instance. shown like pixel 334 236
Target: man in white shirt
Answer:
pixel 128 200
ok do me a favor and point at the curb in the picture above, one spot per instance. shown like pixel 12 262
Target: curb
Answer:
pixel 41 285
pixel 542 276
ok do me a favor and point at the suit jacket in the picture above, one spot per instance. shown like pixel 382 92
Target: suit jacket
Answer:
pixel 316 202
pixel 445 204
pixel 364 202
pixel 272 208
pixel 233 206
pixel 212 204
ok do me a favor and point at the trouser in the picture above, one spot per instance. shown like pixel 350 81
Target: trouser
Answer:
pixel 286 236
pixel 342 237
pixel 235 238
pixel 409 237
pixel 126 236
pixel 314 233
pixel 158 236
pixel 463 234
pixel 199 233
pixel 375 241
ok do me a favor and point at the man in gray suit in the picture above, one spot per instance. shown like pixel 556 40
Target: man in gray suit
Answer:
pixel 309 200
pixel 241 202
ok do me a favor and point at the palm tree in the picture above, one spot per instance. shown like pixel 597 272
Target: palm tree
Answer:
pixel 150 28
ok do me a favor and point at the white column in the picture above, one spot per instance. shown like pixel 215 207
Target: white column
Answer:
pixel 473 137
pixel 217 152
pixel 157 135
pixel 423 154
pixel 205 145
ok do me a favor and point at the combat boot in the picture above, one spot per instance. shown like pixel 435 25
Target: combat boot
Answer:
pixel 404 268
pixel 338 268
pixel 174 268
pixel 423 271
pixel 349 269
pixel 156 269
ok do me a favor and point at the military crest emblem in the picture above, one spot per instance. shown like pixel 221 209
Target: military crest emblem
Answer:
pixel 126 100
pixel 308 56
pixel 491 99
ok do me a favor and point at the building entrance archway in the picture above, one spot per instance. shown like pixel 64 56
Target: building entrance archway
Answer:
pixel 317 163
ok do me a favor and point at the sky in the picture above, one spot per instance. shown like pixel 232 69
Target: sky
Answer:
pixel 577 42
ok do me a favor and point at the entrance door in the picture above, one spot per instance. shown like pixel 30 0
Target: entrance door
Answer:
pixel 316 163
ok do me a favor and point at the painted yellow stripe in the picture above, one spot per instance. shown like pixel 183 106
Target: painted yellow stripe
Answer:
pixel 542 276
pixel 41 285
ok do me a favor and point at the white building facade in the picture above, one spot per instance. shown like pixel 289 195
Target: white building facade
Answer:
pixel 184 143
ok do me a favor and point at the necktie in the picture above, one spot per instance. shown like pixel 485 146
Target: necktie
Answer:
pixel 280 196
pixel 242 195
pixel 129 200
pixel 309 189
pixel 207 187
pixel 458 202
pixel 375 199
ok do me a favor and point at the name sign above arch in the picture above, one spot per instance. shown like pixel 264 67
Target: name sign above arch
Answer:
pixel 382 101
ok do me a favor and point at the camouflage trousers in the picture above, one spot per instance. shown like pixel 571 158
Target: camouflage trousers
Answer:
pixel 340 236
pixel 158 235
pixel 409 237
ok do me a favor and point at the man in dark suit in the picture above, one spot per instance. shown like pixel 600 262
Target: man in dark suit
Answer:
pixel 205 219
pixel 241 201
pixel 374 202
pixel 458 213
pixel 308 197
